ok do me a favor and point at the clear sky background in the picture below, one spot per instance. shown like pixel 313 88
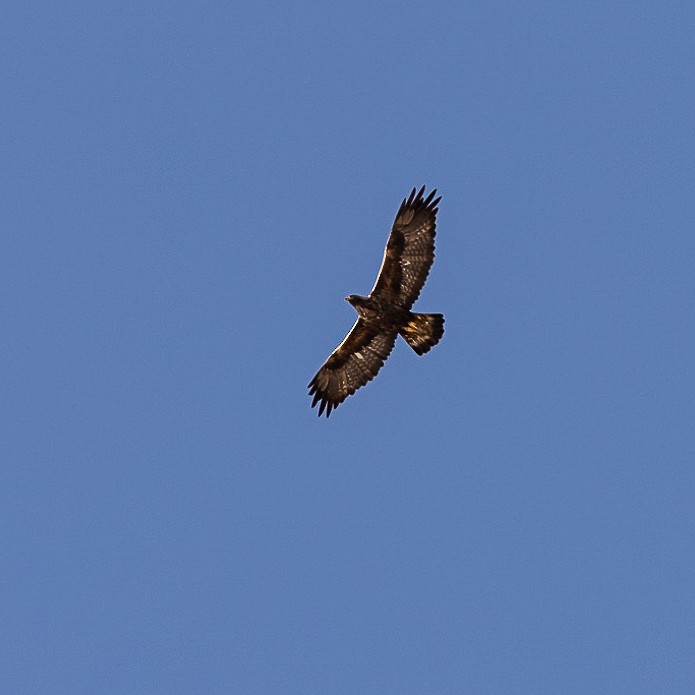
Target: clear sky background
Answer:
pixel 188 191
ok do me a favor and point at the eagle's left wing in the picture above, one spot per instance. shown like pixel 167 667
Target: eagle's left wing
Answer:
pixel 409 251
pixel 351 365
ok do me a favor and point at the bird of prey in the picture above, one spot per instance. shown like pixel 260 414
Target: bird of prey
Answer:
pixel 385 312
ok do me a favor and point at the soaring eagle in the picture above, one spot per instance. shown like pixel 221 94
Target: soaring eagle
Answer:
pixel 385 312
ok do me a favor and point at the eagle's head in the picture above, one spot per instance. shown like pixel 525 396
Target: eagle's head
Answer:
pixel 355 299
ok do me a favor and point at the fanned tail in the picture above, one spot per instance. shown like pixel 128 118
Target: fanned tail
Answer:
pixel 423 331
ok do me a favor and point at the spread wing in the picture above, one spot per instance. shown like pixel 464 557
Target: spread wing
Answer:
pixel 351 365
pixel 409 251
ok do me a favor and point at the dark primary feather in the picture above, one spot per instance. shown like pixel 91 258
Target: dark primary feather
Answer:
pixel 356 361
pixel 409 253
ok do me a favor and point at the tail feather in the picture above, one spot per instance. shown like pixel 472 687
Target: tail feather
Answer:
pixel 423 331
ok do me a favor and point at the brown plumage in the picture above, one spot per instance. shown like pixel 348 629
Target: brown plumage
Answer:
pixel 385 312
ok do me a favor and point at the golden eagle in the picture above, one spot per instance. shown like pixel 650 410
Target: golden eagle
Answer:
pixel 385 312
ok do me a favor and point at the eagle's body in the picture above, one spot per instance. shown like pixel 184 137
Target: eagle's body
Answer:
pixel 385 313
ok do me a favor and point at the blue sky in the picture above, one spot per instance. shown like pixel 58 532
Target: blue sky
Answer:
pixel 189 191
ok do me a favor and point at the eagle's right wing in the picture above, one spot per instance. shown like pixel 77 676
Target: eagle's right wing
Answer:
pixel 351 365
